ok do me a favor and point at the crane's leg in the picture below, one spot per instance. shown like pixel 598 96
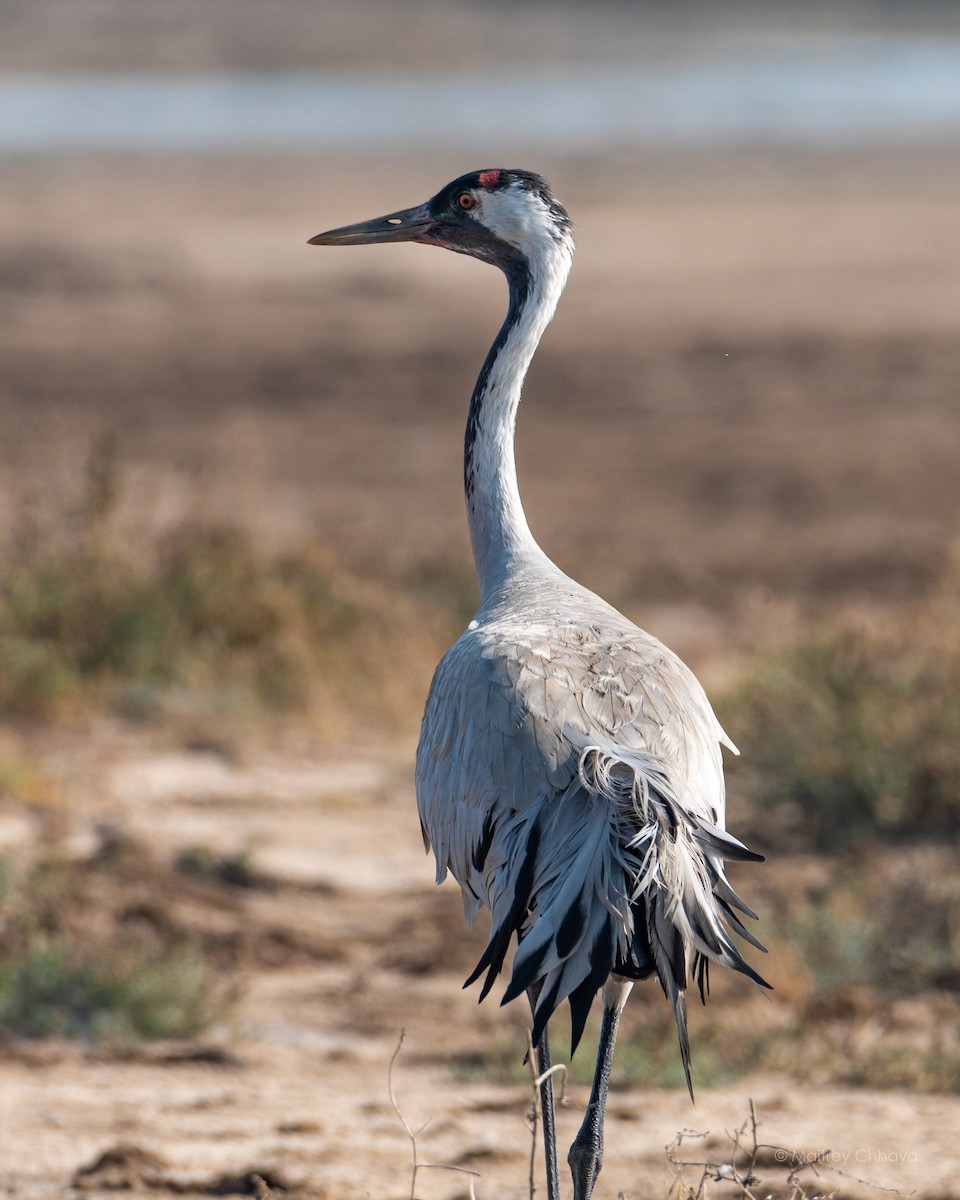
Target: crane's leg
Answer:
pixel 547 1111
pixel 586 1153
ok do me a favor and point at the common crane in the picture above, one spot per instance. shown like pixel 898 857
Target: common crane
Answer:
pixel 569 772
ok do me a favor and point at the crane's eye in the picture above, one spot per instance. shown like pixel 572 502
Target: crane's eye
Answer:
pixel 467 200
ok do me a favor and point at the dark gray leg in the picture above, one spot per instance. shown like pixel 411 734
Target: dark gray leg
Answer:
pixel 586 1153
pixel 547 1112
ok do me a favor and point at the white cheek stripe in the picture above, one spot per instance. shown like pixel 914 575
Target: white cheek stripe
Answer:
pixel 515 214
pixel 520 218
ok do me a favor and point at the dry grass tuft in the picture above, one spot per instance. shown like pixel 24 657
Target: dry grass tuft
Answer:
pixel 755 1170
pixel 82 956
pixel 204 620
pixel 853 735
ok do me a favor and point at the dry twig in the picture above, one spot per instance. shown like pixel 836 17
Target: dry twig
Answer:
pixel 418 1166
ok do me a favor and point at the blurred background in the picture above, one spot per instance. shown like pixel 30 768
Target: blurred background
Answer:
pixel 232 548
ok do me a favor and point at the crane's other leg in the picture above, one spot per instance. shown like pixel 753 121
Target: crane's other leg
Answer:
pixel 547 1111
pixel 586 1153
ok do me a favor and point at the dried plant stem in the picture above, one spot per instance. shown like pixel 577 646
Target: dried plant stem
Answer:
pixel 413 1136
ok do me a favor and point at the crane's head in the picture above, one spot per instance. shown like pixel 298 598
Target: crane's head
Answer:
pixel 506 217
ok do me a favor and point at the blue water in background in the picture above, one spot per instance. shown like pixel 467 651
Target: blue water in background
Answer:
pixel 866 91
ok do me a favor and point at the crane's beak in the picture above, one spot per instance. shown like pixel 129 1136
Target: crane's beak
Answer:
pixel 410 225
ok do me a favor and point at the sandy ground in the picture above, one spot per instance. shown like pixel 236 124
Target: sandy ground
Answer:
pixel 294 1086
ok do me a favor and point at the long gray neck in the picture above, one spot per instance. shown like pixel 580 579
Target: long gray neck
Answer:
pixel 503 545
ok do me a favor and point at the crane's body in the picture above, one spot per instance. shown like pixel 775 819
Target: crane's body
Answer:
pixel 569 770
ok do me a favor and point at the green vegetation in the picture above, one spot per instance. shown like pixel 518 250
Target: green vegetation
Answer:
pixel 893 926
pixel 854 735
pixel 71 966
pixel 202 619
pixel 104 992
pixel 205 612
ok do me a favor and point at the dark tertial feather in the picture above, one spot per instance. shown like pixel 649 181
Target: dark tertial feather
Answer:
pixel 723 891
pixel 525 973
pixel 740 964
pixel 712 837
pixel 679 1000
pixel 738 926
pixel 572 928
pixel 482 848
pixel 582 997
pixel 637 961
pixel 581 1001
pixel 668 953
pixel 700 925
pixel 496 948
pixel 701 970
pixel 546 1006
